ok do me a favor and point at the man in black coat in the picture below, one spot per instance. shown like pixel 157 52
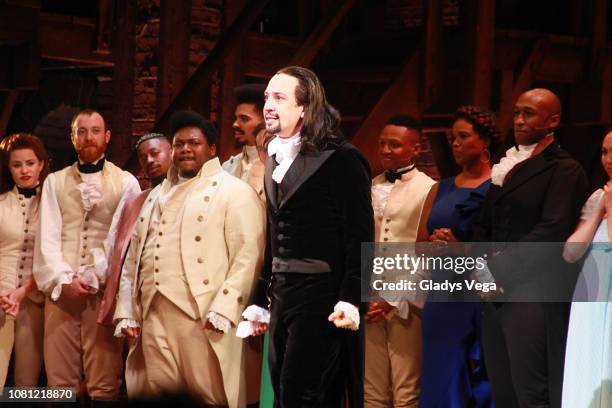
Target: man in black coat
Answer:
pixel 319 212
pixel 536 194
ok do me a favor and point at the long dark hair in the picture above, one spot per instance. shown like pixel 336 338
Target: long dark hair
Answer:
pixel 321 123
pixel 15 142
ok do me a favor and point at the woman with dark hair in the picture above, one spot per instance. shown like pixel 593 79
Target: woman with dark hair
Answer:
pixel 588 357
pixel 24 165
pixel 453 373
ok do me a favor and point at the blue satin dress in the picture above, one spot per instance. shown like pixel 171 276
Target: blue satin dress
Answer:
pixel 453 374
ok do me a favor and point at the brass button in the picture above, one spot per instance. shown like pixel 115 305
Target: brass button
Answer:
pixel 23 213
pixel 163 221
pixel 85 228
pixel 25 230
pixel 20 276
pixel 157 246
pixel 156 270
pixel 386 229
pixel 83 256
pixel 214 183
pixel 206 198
pixel 225 291
pixel 23 258
pixel 85 237
pixel 84 246
pixel 25 241
pixel 205 281
pixel 156 257
pixel 23 205
pixel 27 221
pixel 20 198
pixel 200 218
pixel 239 299
pixel 20 267
pixel 388 219
pixel 86 219
pixel 200 260
pixel 385 239
pixel 198 238
pixel 160 233
pixel 141 219
pixel 156 283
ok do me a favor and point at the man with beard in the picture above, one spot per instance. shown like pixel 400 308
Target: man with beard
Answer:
pixel 248 123
pixel 76 207
pixel 319 212
pixel 195 252
pixel 537 191
pixel 154 156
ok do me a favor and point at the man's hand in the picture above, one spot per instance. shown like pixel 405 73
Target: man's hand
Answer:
pixel 255 343
pixel 209 326
pixel 131 331
pixel 341 320
pixel 377 311
pixel 77 289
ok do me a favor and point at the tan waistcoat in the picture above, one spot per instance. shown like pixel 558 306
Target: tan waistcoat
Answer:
pixel 161 268
pixel 82 230
pixel 19 219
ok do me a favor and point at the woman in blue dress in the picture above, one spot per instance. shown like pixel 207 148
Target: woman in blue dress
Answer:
pixel 587 378
pixel 453 372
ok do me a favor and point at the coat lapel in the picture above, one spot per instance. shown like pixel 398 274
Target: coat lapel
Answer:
pixel 529 170
pixel 269 183
pixel 302 168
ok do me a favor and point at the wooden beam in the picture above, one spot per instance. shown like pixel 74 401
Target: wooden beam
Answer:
pixel 7 110
pixel 402 96
pixel 483 54
pixel 174 35
pixel 232 75
pixel 432 52
pixel 57 31
pixel 322 33
pixel 264 54
pixel 192 91
pixel 124 46
pixel 599 38
pixel 524 78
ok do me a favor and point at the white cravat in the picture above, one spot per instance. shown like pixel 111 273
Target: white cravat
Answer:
pixel 513 156
pixel 285 151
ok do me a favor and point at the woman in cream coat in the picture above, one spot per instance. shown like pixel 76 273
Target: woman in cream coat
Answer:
pixel 24 166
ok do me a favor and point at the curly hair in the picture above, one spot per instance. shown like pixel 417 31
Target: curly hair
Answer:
pixel 15 142
pixel 483 122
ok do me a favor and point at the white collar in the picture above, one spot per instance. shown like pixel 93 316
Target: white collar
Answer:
pixel 284 150
pixel 250 153
pixel 513 156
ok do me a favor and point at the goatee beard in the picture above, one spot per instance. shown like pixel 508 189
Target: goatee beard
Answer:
pixel 90 154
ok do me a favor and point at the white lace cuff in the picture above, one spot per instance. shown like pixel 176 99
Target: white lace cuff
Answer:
pixel 350 311
pixel 484 275
pixel 219 321
pixel 253 315
pixel 88 274
pixel 124 324
pixel 63 280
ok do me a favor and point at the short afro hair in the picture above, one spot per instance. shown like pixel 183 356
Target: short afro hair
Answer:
pixel 182 119
pixel 251 93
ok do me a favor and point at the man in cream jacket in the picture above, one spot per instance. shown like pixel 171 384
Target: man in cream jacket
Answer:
pixel 195 252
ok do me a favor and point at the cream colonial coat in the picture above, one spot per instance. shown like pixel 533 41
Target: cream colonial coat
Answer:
pixel 221 266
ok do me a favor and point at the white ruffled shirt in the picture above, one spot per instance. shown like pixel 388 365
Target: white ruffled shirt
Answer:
pixel 513 156
pixel 91 194
pixel 285 150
